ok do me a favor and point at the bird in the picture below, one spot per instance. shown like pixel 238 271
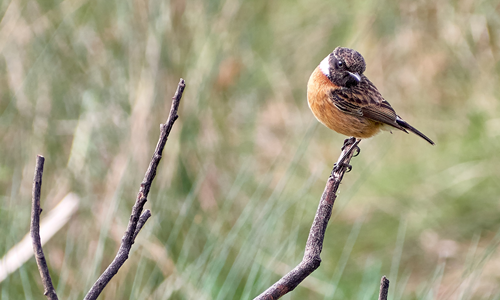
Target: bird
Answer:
pixel 343 99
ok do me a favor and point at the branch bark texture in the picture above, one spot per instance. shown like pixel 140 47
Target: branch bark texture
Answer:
pixel 314 244
pixel 384 288
pixel 137 218
pixel 49 290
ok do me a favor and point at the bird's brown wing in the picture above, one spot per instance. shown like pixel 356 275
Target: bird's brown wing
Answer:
pixel 364 100
pixel 381 112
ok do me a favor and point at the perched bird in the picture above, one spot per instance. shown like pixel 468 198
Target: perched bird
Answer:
pixel 344 100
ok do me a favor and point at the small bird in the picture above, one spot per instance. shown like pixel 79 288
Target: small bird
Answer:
pixel 344 100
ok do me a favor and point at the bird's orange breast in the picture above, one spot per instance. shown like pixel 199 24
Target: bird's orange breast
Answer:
pixel 319 88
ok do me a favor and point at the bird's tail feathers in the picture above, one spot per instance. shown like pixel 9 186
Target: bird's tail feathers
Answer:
pixel 405 125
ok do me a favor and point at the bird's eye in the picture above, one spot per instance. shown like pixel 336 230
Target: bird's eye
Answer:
pixel 339 64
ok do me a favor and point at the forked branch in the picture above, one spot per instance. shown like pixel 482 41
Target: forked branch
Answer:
pixel 314 245
pixel 138 218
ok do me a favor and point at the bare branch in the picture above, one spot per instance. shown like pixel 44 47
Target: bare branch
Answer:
pixel 314 245
pixel 49 290
pixel 384 288
pixel 142 220
pixel 136 219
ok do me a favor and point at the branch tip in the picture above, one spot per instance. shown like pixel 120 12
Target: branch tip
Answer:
pixel 384 288
pixel 138 218
pixel 36 210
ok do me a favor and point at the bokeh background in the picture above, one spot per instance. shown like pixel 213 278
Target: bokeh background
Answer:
pixel 87 83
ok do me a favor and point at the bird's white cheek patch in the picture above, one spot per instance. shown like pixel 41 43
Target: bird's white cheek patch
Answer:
pixel 325 66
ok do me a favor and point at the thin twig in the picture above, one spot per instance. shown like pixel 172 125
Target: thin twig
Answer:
pixel 142 220
pixel 136 219
pixel 384 288
pixel 314 245
pixel 49 290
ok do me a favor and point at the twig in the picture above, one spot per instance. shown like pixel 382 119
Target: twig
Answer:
pixel 136 219
pixel 142 220
pixel 384 288
pixel 49 290
pixel 314 245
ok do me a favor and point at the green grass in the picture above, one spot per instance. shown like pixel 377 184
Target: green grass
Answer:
pixel 86 84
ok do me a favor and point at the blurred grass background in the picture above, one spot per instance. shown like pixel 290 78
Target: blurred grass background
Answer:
pixel 87 83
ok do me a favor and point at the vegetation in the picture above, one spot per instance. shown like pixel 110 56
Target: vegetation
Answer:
pixel 87 83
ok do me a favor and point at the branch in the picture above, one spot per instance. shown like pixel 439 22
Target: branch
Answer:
pixel 314 245
pixel 136 219
pixel 142 220
pixel 384 288
pixel 49 290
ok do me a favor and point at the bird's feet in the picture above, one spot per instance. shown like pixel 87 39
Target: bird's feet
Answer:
pixel 337 167
pixel 348 142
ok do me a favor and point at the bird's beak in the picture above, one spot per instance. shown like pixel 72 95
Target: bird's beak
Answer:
pixel 355 76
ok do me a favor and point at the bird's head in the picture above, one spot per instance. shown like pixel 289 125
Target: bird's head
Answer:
pixel 343 67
